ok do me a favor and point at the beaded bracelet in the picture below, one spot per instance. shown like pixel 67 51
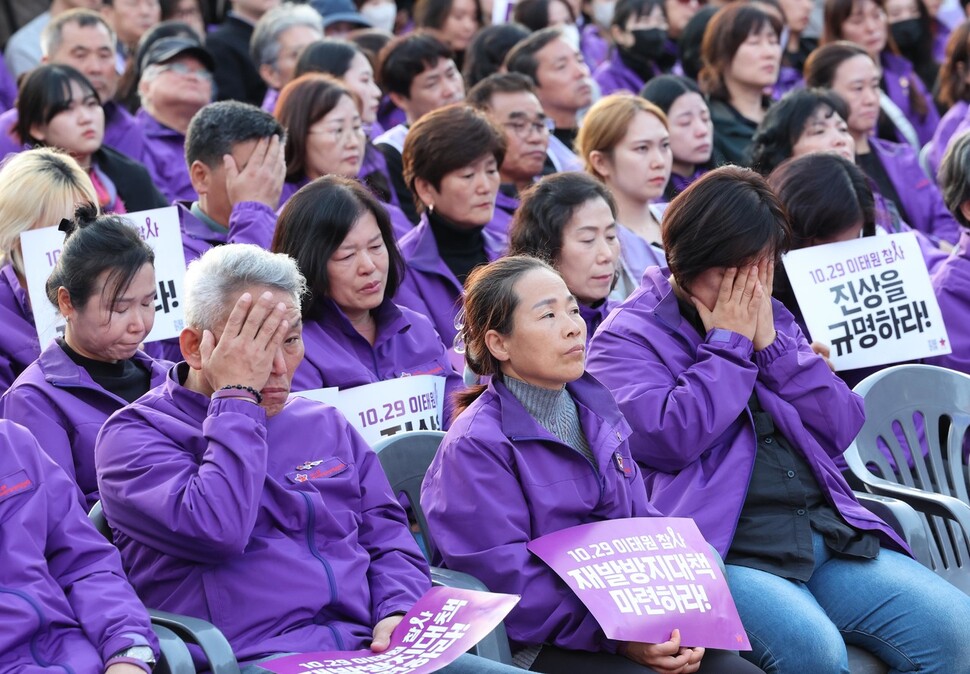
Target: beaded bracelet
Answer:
pixel 248 389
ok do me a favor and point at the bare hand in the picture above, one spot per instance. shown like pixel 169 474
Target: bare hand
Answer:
pixel 823 351
pixel 382 633
pixel 738 303
pixel 249 343
pixel 261 179
pixel 668 657
pixel 765 334
pixel 124 668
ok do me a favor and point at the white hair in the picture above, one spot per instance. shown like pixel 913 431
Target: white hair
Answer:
pixel 214 282
pixel 264 45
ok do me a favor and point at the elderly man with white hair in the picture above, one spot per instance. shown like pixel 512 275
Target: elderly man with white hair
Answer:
pixel 280 37
pixel 268 516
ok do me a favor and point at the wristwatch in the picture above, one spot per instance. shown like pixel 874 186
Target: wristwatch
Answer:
pixel 141 653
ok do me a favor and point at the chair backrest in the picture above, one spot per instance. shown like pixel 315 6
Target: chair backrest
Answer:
pixel 96 515
pixel 405 458
pixel 916 422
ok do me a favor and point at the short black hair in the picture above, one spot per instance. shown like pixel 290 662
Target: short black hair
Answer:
pixel 522 57
pixel 663 90
pixel 406 57
pixel 45 93
pixel 500 83
pixel 314 223
pixel 727 218
pixel 218 127
pixel 488 49
pixel 329 55
pixel 633 9
pixel 96 244
pixel 785 122
pixel 545 210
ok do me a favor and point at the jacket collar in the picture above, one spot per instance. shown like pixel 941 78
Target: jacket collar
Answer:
pixel 656 283
pixel 60 370
pixel 388 316
pixel 424 255
pixel 195 228
pixel 586 391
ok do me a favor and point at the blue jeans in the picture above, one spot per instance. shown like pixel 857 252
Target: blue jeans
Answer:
pixel 466 664
pixel 891 606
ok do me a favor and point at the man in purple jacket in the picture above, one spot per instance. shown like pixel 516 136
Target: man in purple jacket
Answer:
pixel 224 507
pixel 66 604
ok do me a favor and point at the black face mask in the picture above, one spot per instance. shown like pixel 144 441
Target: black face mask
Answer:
pixel 907 35
pixel 649 43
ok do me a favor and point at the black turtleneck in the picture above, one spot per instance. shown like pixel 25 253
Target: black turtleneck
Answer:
pixel 462 249
pixel 127 379
pixel 567 136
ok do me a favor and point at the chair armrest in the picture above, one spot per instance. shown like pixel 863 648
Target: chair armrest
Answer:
pixel 176 658
pixel 214 645
pixel 904 519
pixel 495 645
pixel 928 503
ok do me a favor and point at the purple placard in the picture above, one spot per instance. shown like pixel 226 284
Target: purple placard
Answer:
pixel 643 577
pixel 442 625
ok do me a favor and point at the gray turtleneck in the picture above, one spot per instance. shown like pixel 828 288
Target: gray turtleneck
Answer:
pixel 555 410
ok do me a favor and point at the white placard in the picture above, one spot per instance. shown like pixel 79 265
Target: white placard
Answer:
pixel 869 299
pixel 159 228
pixel 385 408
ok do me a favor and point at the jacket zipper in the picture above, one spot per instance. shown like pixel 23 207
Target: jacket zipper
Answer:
pixel 311 524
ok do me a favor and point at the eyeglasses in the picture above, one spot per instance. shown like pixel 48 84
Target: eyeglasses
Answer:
pixel 185 70
pixel 523 128
pixel 339 133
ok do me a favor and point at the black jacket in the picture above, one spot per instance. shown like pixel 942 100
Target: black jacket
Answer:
pixel 236 76
pixel 131 179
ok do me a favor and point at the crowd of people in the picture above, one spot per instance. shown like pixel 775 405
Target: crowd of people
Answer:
pixel 574 214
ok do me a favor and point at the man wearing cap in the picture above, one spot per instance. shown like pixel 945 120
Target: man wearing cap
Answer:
pixel 235 74
pixel 176 83
pixel 81 38
pixel 340 17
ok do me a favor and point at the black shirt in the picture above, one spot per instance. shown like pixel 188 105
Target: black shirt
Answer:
pixel 462 249
pixel 567 136
pixel 873 168
pixel 127 379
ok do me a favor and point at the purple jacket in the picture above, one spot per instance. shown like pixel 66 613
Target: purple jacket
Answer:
pixel 8 86
pixel 594 47
pixel 500 480
pixel 594 316
pixel 952 285
pixel 66 603
pixel 687 400
pixel 122 132
pixel 249 222
pixel 406 344
pixel 282 543
pixel 899 76
pixel 920 197
pixel 64 408
pixel 636 254
pixel 954 124
pixel 614 76
pixel 789 79
pixel 19 346
pixel 429 288
pixel 501 221
pixel 164 156
pixel 562 157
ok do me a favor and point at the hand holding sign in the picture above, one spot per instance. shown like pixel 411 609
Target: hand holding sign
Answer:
pixel 668 656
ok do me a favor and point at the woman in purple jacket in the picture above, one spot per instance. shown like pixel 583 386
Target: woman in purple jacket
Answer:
pixel 737 423
pixel 641 50
pixel 541 448
pixel 848 70
pixel 569 220
pixel 353 332
pixel 104 286
pixel 38 188
pixel 67 605
pixel 909 113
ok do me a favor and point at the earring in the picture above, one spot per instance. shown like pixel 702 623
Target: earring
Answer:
pixel 431 208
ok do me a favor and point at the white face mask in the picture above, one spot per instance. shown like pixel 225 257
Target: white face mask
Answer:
pixel 382 16
pixel 570 33
pixel 603 13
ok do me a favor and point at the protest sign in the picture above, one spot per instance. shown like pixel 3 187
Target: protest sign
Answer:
pixel 442 625
pixel 644 577
pixel 385 408
pixel 158 227
pixel 869 299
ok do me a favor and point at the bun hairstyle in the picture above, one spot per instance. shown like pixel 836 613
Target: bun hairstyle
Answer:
pixel 489 304
pixel 96 244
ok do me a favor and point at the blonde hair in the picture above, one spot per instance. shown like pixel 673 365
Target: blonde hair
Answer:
pixel 38 188
pixel 606 123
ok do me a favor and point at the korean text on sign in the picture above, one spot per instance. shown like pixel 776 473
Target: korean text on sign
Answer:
pixel 641 578
pixel 870 300
pixel 444 623
pixel 158 227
